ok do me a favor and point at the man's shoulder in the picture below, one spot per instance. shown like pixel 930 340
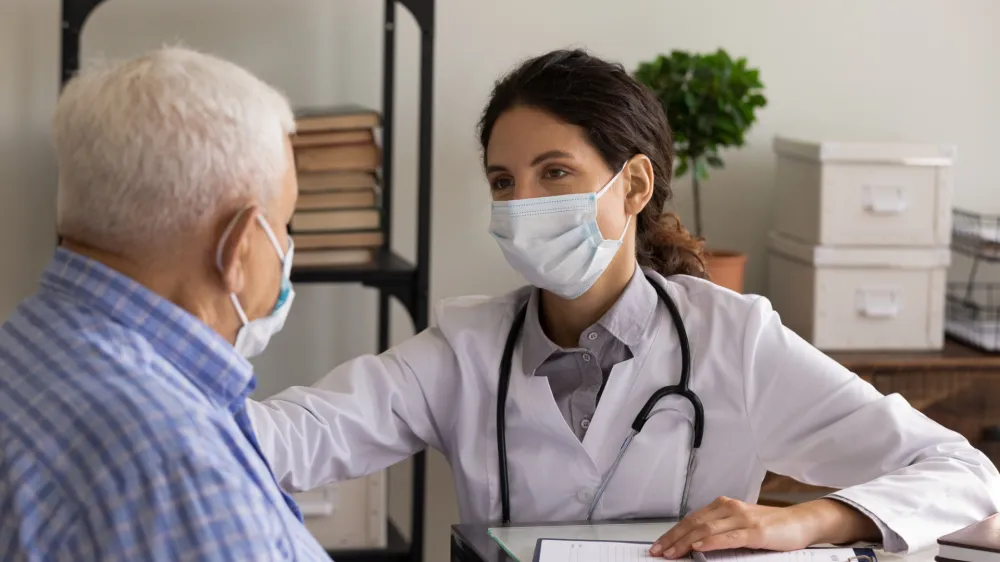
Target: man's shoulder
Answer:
pixel 85 393
pixel 129 462
pixel 135 481
pixel 95 425
pixel 54 345
pixel 53 338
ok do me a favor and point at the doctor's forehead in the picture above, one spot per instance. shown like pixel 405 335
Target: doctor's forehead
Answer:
pixel 523 134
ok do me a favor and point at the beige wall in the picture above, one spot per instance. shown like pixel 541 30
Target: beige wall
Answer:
pixel 920 70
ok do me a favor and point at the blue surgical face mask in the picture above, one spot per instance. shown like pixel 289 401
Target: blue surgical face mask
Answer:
pixel 254 335
pixel 555 242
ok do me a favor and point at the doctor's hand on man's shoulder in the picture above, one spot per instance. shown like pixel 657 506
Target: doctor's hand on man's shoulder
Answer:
pixel 728 523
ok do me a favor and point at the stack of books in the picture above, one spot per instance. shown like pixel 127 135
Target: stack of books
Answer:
pixel 338 217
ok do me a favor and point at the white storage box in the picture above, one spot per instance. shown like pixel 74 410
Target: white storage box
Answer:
pixel 864 193
pixel 859 298
pixel 350 515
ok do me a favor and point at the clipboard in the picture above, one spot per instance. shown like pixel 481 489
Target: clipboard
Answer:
pixel 538 545
pixel 860 554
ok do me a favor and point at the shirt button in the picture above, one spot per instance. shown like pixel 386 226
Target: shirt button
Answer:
pixel 585 423
pixel 592 336
pixel 586 357
pixel 585 495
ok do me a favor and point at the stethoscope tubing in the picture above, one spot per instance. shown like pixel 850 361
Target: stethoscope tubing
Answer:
pixel 682 388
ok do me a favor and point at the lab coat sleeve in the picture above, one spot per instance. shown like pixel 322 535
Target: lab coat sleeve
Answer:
pixel 817 422
pixel 362 417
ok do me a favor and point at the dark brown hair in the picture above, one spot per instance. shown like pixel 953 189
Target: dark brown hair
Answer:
pixel 622 118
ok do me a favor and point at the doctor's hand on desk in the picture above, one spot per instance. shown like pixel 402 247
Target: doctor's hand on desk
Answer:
pixel 728 523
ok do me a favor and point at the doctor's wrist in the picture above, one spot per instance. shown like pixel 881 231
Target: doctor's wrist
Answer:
pixel 832 522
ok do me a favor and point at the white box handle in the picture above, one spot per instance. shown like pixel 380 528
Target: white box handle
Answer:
pixel 317 503
pixel 878 303
pixel 886 199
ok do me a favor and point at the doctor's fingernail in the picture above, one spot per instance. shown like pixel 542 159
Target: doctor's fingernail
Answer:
pixel 670 552
pixel 696 545
pixel 656 549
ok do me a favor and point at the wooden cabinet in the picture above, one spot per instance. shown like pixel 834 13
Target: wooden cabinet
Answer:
pixel 958 387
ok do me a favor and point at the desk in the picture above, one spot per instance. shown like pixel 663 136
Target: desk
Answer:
pixel 472 543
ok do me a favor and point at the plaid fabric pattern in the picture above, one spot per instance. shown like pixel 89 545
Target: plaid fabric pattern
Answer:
pixel 123 434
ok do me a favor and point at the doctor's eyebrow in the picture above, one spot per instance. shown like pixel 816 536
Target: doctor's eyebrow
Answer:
pixel 549 155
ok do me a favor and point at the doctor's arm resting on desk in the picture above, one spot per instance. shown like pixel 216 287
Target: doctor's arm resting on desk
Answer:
pixel 578 158
pixel 817 422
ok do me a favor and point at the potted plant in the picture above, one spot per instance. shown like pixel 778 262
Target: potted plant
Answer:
pixel 711 101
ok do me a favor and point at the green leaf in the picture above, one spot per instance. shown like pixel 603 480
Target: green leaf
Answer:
pixel 682 168
pixel 691 102
pixel 700 170
pixel 711 101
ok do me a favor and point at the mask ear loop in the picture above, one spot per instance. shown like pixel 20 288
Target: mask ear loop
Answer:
pixel 604 190
pixel 608 185
pixel 272 237
pixel 628 220
pixel 283 256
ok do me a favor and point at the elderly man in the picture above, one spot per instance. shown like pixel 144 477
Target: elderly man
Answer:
pixel 123 381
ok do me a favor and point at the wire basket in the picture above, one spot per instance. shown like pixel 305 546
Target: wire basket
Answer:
pixel 972 314
pixel 976 234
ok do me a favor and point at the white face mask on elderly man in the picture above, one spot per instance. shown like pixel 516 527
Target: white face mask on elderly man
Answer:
pixel 253 336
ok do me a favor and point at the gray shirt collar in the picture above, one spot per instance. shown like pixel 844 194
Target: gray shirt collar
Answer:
pixel 627 320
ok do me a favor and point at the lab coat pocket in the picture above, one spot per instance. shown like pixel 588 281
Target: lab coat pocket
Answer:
pixel 651 477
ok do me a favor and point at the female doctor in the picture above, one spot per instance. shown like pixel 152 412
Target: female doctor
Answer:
pixel 621 384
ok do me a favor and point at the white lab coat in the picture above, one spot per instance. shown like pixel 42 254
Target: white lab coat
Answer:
pixel 772 402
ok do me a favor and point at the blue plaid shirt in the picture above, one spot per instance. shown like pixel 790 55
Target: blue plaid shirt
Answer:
pixel 123 433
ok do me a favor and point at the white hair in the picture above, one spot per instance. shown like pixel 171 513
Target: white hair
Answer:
pixel 156 146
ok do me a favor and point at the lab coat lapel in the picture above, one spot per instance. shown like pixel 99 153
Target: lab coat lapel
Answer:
pixel 655 365
pixel 625 395
pixel 537 392
pixel 544 457
pixel 609 414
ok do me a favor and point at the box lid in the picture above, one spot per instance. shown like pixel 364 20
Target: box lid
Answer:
pixel 866 152
pixel 900 257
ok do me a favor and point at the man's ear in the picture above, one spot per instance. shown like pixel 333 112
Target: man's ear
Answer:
pixel 639 173
pixel 233 255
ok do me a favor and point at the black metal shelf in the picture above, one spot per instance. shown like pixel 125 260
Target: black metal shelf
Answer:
pixel 389 274
pixel 386 269
pixel 397 549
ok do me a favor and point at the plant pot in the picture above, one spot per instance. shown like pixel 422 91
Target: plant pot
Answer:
pixel 725 268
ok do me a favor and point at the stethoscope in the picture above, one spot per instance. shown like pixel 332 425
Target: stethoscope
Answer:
pixel 682 389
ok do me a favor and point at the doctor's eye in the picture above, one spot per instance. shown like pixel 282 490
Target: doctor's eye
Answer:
pixel 555 173
pixel 501 182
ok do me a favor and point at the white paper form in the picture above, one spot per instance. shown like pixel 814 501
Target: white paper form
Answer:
pixel 806 555
pixel 608 551
pixel 594 551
